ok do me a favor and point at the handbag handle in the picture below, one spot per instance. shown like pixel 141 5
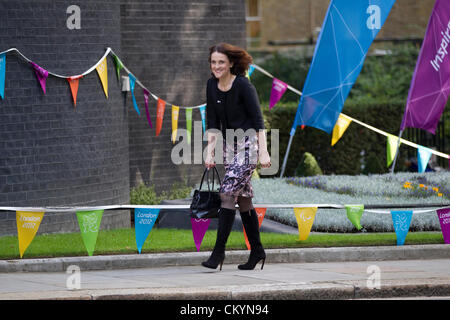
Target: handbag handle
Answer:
pixel 207 180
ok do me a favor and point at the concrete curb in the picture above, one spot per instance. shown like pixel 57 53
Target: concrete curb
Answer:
pixel 294 255
pixel 287 291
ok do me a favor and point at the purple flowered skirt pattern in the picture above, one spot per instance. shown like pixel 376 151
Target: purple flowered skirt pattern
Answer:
pixel 240 160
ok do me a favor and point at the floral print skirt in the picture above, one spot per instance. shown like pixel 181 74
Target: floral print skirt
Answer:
pixel 240 160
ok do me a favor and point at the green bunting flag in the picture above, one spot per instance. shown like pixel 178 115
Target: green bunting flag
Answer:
pixel 189 124
pixel 354 213
pixel 119 66
pixel 89 222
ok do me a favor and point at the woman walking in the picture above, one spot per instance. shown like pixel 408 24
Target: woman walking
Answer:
pixel 232 104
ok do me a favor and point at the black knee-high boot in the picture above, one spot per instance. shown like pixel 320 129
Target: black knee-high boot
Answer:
pixel 226 220
pixel 257 253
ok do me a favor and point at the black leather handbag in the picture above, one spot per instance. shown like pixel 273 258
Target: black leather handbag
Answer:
pixel 206 204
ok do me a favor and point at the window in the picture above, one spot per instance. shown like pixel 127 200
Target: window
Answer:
pixel 253 23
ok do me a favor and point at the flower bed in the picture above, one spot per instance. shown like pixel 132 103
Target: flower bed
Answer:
pixel 384 189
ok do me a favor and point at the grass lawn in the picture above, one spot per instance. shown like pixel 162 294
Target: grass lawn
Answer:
pixel 122 241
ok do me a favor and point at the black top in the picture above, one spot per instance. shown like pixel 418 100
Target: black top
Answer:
pixel 237 108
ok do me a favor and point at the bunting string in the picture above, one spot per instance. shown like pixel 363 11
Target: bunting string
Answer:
pixel 409 143
pixel 73 81
pixel 89 219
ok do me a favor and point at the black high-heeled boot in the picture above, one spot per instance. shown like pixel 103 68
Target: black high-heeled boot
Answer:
pixel 257 253
pixel 226 220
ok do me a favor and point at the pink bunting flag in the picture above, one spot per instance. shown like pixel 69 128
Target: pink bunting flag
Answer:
pixel 199 227
pixel 444 220
pixel 41 74
pixel 278 89
pixel 146 95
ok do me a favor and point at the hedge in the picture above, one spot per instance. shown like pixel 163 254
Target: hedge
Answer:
pixel 359 151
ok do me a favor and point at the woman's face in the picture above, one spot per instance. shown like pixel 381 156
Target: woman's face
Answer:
pixel 220 65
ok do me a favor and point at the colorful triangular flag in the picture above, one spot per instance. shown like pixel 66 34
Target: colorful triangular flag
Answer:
pixel 354 213
pixel 2 74
pixel 119 65
pixel 278 89
pixel 73 83
pixel 341 125
pixel 175 114
pixel 102 70
pixel 160 107
pixel 41 74
pixel 391 148
pixel 146 96
pixel 89 223
pixel 132 84
pixel 260 212
pixel 401 221
pixel 203 116
pixel 199 228
pixel 305 219
pixel 444 220
pixel 27 225
pixel 189 124
pixel 144 220
pixel 423 156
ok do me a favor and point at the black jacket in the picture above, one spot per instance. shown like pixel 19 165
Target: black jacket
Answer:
pixel 238 108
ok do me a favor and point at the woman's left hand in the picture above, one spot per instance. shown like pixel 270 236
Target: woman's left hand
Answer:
pixel 264 159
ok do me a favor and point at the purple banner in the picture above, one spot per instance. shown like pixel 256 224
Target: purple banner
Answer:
pixel 444 219
pixel 430 86
pixel 199 227
pixel 41 74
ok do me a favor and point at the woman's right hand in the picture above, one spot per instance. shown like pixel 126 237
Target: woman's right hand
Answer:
pixel 209 162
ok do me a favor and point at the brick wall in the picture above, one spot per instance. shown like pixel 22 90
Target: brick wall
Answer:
pixel 52 154
pixel 165 44
pixel 55 155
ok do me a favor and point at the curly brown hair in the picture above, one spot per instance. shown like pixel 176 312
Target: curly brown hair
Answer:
pixel 240 58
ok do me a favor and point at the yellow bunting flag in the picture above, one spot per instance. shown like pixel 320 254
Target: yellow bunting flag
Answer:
pixel 341 125
pixel 102 70
pixel 305 219
pixel 392 142
pixel 27 226
pixel 175 114
pixel 260 212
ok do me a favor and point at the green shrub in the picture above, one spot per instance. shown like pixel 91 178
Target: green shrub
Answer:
pixel 146 195
pixel 308 166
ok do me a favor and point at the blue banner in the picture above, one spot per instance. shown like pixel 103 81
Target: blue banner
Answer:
pixel 132 84
pixel 2 74
pixel 347 33
pixel 144 219
pixel 401 221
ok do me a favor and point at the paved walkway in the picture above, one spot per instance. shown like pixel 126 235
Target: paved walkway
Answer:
pixel 333 273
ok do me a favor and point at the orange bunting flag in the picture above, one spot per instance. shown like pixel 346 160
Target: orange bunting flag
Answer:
pixel 160 106
pixel 261 213
pixel 73 82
